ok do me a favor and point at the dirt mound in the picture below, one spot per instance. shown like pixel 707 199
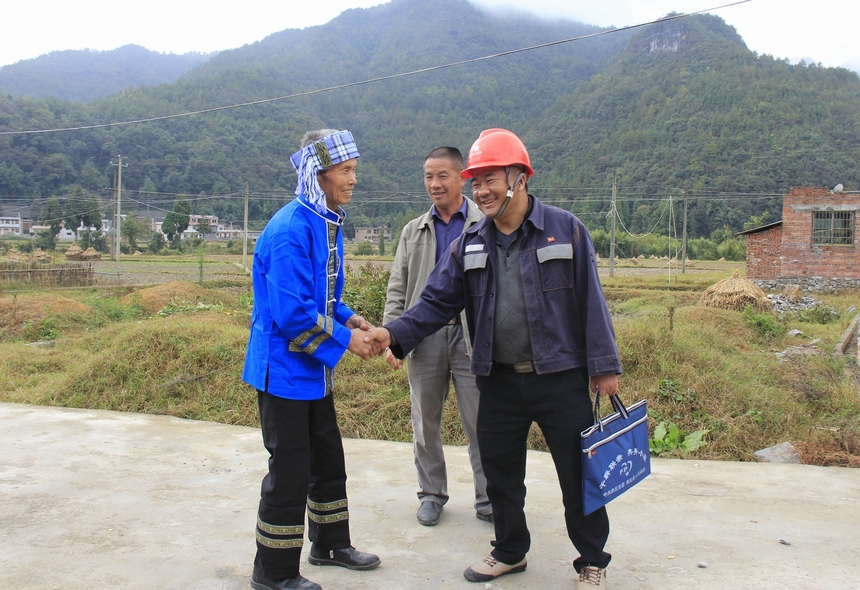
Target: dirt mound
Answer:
pixel 23 312
pixel 154 298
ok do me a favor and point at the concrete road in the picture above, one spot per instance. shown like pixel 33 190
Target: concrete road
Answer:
pixel 92 499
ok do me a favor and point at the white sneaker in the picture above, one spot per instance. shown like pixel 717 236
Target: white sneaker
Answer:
pixel 592 577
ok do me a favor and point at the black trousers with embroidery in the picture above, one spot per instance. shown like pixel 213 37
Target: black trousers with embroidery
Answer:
pixel 306 468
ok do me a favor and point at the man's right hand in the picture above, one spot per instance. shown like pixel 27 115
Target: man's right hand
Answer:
pixel 363 347
pixel 381 335
pixel 393 362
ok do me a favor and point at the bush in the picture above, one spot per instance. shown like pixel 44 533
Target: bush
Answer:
pixel 365 291
pixel 820 314
pixel 365 249
pixel 765 324
pixel 732 249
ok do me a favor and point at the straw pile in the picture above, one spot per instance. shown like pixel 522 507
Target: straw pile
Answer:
pixel 40 255
pixel 74 252
pixel 736 294
pixel 90 254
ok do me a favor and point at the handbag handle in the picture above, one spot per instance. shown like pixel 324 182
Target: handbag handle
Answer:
pixel 617 405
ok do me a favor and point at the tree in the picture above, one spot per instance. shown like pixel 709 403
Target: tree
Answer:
pixel 46 240
pixel 133 229
pixel 76 208
pixel 176 221
pixel 204 227
pixel 755 221
pixel 52 215
pixel 157 243
pixel 381 245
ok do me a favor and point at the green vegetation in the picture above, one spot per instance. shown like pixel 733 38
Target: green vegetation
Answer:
pixel 669 440
pixel 705 117
pixel 85 74
pixel 714 385
pixel 765 324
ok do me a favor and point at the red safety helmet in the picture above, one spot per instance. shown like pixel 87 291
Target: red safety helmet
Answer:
pixel 497 147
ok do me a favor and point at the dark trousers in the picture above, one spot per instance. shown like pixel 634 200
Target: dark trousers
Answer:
pixel 561 405
pixel 306 468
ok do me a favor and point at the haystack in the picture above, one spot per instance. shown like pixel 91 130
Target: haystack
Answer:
pixel 90 254
pixel 40 255
pixel 74 252
pixel 735 293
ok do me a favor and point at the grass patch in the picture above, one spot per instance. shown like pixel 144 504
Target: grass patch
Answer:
pixel 702 370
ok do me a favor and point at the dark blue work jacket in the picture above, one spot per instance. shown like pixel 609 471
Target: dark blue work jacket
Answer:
pixel 569 323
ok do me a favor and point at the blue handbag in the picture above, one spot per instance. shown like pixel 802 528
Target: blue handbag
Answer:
pixel 615 453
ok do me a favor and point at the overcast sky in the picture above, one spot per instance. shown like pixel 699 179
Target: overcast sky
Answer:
pixel 820 31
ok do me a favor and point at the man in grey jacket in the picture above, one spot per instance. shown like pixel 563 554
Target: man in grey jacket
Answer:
pixel 443 356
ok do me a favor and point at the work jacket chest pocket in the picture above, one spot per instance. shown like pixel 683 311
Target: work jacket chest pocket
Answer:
pixel 474 267
pixel 556 266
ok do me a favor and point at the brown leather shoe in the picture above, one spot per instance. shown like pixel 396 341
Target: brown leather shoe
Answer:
pixel 490 568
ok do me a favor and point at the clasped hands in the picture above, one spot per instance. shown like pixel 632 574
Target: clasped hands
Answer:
pixel 368 341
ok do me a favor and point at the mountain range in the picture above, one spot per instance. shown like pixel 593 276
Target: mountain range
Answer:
pixel 674 108
pixel 86 75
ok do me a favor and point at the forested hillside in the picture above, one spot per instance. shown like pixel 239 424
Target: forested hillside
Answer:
pixel 679 103
pixel 85 75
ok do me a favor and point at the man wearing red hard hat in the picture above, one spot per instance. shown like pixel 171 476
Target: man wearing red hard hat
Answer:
pixel 541 331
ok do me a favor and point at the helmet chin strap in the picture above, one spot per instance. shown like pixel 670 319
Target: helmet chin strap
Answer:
pixel 510 192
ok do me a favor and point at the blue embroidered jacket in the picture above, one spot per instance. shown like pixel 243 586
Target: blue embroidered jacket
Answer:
pixel 297 326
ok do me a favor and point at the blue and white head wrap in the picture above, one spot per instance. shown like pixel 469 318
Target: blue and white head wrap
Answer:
pixel 318 156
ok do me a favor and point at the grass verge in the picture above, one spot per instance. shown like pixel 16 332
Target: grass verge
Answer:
pixel 180 350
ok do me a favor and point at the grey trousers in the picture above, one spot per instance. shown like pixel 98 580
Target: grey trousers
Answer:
pixel 435 362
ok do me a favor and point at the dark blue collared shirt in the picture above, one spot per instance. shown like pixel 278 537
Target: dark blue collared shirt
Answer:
pixel 446 233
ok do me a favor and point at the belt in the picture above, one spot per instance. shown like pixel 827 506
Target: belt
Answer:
pixel 522 367
pixel 454 320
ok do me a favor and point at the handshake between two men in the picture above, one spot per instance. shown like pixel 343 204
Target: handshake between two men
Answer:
pixel 367 341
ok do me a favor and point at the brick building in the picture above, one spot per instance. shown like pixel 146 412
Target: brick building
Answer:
pixel 815 240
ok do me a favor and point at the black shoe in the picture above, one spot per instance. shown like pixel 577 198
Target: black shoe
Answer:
pixel 350 558
pixel 298 583
pixel 484 517
pixel 429 513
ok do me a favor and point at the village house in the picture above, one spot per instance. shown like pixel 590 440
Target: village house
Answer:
pixel 814 245
pixel 11 224
pixel 372 234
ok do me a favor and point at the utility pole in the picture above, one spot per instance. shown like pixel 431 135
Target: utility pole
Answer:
pixel 119 165
pixel 245 233
pixel 684 235
pixel 669 237
pixel 612 234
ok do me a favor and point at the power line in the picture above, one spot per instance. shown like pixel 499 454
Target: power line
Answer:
pixel 377 79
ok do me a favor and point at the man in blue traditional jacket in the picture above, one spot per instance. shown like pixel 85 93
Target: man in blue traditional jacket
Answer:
pixel 300 329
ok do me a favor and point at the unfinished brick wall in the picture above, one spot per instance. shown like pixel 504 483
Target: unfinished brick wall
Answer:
pixel 763 251
pixel 797 256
